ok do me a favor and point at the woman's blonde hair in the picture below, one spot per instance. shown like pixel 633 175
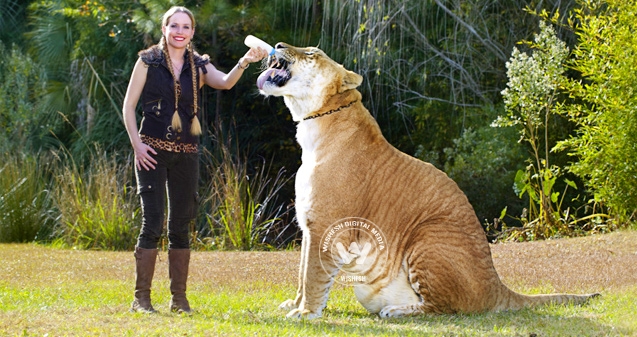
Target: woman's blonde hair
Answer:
pixel 195 128
pixel 177 9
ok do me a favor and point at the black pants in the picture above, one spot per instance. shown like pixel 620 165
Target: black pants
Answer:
pixel 176 174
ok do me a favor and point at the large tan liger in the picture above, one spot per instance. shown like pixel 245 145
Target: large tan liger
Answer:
pixel 421 244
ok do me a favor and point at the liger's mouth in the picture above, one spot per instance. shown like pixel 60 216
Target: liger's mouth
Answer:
pixel 277 72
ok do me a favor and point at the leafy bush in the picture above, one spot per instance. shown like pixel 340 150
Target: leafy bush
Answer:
pixel 605 106
pixel 532 98
pixel 22 83
pixel 483 162
pixel 538 91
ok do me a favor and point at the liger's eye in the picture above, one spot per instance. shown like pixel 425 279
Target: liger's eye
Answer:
pixel 312 52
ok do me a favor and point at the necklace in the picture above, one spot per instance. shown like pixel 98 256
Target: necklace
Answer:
pixel 177 68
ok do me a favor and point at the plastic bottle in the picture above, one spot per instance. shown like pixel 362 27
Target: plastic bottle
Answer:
pixel 253 42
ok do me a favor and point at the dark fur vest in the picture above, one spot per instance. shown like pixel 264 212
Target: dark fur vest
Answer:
pixel 158 97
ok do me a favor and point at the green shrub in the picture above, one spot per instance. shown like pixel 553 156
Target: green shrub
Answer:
pixel 483 163
pixel 532 99
pixel 22 84
pixel 605 106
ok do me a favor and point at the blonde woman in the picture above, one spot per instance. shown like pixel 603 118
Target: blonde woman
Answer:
pixel 167 78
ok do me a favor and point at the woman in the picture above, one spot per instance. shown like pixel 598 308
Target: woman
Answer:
pixel 168 77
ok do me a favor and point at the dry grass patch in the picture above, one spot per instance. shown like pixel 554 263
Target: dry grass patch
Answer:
pixel 597 263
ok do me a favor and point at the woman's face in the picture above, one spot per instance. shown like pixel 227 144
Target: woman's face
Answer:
pixel 179 30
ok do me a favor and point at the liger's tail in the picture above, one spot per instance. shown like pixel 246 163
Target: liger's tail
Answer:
pixel 512 300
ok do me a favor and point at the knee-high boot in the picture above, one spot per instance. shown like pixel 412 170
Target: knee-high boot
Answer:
pixel 178 261
pixel 145 269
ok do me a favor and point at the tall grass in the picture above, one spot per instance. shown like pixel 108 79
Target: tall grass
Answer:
pixel 54 198
pixel 244 207
pixel 25 206
pixel 98 210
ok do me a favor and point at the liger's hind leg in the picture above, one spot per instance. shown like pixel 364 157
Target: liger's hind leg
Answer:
pixel 420 308
pixel 419 285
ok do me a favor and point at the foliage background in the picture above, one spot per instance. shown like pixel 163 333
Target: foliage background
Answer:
pixel 434 71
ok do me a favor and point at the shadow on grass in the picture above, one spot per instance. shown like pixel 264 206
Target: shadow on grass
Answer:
pixel 350 319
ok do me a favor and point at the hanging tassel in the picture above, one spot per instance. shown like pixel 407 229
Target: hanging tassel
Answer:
pixel 195 128
pixel 176 123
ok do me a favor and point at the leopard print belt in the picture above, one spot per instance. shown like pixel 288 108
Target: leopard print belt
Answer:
pixel 164 145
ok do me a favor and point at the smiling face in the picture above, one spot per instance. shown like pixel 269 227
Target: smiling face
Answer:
pixel 178 29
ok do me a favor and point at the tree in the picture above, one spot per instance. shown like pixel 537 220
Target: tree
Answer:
pixel 87 49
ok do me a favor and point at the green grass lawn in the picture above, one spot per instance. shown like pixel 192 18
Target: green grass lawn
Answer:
pixel 52 292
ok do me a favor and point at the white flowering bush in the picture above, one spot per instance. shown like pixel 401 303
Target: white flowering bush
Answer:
pixel 534 81
pixel 531 97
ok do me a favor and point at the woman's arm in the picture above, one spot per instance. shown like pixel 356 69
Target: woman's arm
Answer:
pixel 134 91
pixel 220 80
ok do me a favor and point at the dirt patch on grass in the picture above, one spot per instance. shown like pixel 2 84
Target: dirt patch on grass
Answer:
pixel 236 269
pixel 590 264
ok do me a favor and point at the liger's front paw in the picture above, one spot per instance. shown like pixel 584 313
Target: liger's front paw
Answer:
pixel 288 305
pixel 395 311
pixel 302 313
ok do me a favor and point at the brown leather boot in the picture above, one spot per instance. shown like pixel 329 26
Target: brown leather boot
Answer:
pixel 145 269
pixel 178 261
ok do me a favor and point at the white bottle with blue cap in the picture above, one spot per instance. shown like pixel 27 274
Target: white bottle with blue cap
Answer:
pixel 254 42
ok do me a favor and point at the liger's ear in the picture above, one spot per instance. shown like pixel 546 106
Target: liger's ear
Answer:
pixel 351 80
